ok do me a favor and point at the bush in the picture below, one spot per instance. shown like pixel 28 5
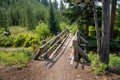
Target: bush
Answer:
pixel 97 66
pixel 114 44
pixel 92 32
pixel 74 28
pixel 15 58
pixel 20 39
pixel 117 33
pixel 100 68
pixel 42 30
pixel 31 40
pixel 2 30
pixel 114 62
pixel 6 41
pixel 63 26
pixel 26 40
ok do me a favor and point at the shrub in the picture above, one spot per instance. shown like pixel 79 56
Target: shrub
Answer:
pixel 92 32
pixel 97 66
pixel 42 30
pixel 31 40
pixel 6 41
pixel 63 26
pixel 114 62
pixel 74 28
pixel 26 40
pixel 16 58
pixel 100 68
pixel 20 39
pixel 114 44
pixel 2 30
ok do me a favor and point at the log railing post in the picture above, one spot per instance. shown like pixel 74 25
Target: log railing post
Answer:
pixel 75 44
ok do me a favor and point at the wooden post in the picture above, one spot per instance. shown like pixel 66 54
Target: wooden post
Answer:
pixel 75 44
pixel 37 54
pixel 78 36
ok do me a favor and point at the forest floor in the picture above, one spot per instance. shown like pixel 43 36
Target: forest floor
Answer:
pixel 59 68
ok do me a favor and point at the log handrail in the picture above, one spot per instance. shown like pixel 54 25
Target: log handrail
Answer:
pixel 78 39
pixel 43 51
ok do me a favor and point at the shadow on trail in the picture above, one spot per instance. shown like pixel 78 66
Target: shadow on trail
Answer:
pixel 57 56
pixel 83 65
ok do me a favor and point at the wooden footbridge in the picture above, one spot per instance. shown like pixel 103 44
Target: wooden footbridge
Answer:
pixel 49 49
pixel 57 59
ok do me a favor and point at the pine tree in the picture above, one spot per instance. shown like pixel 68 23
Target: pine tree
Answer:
pixel 56 4
pixel 53 23
pixel 61 5
pixel 3 18
pixel 29 18
pixel 45 2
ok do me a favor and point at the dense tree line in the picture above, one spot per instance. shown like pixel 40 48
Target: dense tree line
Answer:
pixel 29 13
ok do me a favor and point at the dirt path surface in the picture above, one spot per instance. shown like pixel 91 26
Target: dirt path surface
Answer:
pixel 58 68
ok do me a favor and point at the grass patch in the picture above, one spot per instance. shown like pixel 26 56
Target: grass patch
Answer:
pixel 19 59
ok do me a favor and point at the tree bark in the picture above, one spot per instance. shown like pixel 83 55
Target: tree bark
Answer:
pixel 113 15
pixel 87 30
pixel 104 53
pixel 96 26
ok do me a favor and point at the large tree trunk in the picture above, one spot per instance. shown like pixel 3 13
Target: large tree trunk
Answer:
pixel 96 26
pixel 113 15
pixel 104 53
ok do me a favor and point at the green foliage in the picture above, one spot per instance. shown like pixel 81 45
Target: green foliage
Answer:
pixel 117 17
pixel 42 30
pixel 62 7
pixel 97 67
pixel 92 32
pixel 6 41
pixel 45 2
pixel 15 58
pixel 3 18
pixel 31 40
pixel 74 28
pixel 2 30
pixel 114 44
pixel 100 68
pixel 63 26
pixel 20 39
pixel 114 62
pixel 53 22
pixel 29 16
pixel 26 40
pixel 117 32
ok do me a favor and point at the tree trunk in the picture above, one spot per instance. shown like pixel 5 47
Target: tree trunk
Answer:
pixel 104 53
pixel 96 26
pixel 113 15
pixel 87 30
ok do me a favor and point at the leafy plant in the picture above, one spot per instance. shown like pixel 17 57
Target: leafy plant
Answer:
pixel 42 30
pixel 114 62
pixel 6 41
pixel 15 58
pixel 31 40
pixel 100 68
pixel 97 67
pixel 20 39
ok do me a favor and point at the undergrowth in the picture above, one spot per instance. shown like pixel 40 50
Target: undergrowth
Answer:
pixel 100 68
pixel 19 59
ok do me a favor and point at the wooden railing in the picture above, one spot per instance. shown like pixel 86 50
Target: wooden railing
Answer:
pixel 78 51
pixel 50 48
